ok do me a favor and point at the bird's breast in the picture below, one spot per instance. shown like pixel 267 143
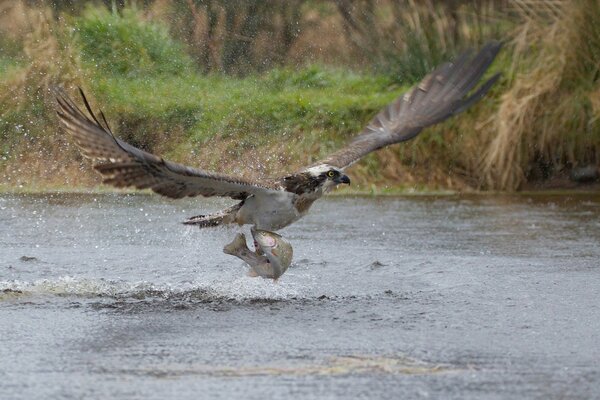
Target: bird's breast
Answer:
pixel 269 212
pixel 303 203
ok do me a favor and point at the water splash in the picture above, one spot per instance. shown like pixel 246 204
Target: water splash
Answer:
pixel 240 290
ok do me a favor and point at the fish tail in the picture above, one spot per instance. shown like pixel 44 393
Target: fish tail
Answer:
pixel 237 246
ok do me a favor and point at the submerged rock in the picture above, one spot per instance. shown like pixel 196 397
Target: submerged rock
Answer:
pixel 584 174
pixel 376 264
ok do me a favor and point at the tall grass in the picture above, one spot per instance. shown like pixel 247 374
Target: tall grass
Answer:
pixel 547 120
pixel 409 38
pixel 26 120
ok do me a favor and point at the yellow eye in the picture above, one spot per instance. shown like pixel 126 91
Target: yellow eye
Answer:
pixel 330 174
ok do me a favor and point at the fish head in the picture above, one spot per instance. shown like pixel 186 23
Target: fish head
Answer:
pixel 266 240
pixel 277 250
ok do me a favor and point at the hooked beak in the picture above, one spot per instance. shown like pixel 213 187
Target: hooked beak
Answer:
pixel 343 179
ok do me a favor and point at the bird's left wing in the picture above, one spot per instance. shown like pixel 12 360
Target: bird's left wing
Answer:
pixel 122 164
pixel 440 95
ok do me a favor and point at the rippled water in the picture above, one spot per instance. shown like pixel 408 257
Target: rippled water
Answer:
pixel 109 296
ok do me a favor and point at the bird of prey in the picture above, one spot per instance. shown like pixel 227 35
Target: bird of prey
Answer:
pixel 272 204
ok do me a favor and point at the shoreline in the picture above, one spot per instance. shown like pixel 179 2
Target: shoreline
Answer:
pixel 400 191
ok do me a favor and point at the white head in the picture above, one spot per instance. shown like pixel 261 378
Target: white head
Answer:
pixel 328 176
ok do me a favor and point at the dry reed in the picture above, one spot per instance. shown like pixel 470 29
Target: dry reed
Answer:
pixel 546 121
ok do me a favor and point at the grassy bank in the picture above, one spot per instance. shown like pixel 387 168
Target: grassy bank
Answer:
pixel 268 122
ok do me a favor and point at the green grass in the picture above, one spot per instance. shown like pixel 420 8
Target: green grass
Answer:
pixel 145 83
pixel 260 107
pixel 11 55
pixel 7 64
pixel 153 98
pixel 123 44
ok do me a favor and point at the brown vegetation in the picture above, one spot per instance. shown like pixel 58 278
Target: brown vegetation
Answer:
pixel 547 119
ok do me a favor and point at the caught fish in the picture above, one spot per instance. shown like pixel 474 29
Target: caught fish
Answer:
pixel 272 257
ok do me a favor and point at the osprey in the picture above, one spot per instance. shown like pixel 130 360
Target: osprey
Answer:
pixel 272 204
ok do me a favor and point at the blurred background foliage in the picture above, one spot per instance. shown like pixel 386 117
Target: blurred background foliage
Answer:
pixel 263 87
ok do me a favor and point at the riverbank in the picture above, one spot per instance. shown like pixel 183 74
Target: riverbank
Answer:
pixel 279 119
pixel 551 189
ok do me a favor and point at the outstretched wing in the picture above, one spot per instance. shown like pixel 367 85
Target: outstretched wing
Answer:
pixel 122 164
pixel 438 96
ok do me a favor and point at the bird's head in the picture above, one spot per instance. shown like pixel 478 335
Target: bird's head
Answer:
pixel 328 176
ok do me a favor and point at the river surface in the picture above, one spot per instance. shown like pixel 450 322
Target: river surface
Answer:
pixel 108 296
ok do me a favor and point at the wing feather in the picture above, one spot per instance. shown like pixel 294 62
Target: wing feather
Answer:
pixel 438 96
pixel 123 165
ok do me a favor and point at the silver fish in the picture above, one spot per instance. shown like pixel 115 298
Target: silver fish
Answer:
pixel 273 254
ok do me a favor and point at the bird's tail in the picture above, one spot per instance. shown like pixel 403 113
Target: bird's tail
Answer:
pixel 226 216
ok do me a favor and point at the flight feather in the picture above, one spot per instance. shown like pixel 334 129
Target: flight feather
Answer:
pixel 441 94
pixel 122 164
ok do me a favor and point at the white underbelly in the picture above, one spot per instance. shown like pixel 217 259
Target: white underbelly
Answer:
pixel 269 212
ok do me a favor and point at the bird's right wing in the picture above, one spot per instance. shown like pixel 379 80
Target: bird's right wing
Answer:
pixel 122 164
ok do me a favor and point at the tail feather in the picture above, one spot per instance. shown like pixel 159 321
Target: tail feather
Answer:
pixel 226 216
pixel 205 221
